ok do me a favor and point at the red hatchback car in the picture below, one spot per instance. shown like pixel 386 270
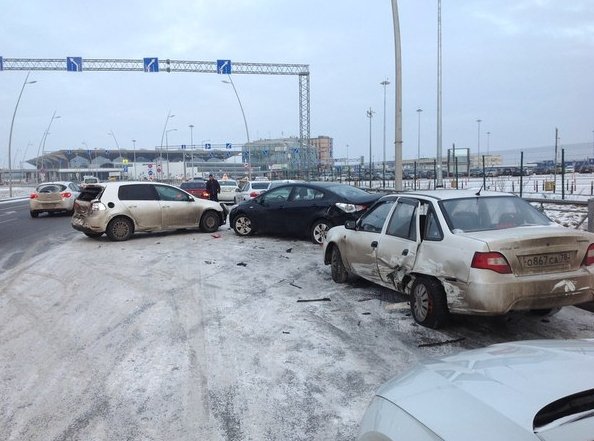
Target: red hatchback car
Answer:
pixel 195 188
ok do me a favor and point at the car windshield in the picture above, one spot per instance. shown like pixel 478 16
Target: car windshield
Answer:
pixel 228 183
pixel 491 213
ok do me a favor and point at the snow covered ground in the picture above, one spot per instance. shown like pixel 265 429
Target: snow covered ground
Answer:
pixel 190 336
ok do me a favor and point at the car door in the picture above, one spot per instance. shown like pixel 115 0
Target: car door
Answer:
pixel 396 250
pixel 305 205
pixel 178 209
pixel 269 210
pixel 361 244
pixel 143 205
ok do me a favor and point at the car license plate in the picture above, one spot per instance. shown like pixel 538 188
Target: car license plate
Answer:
pixel 547 260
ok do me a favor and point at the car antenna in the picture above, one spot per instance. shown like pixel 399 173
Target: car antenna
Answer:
pixel 478 193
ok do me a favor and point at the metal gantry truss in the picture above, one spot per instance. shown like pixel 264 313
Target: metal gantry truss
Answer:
pixel 171 66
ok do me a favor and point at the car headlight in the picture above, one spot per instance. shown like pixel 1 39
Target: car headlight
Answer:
pixel 350 208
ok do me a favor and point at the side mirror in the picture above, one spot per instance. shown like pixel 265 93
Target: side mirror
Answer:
pixel 350 225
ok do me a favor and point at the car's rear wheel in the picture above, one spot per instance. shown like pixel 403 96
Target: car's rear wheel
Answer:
pixel 428 303
pixel 120 229
pixel 242 225
pixel 338 270
pixel 34 213
pixel 209 223
pixel 318 230
pixel 93 235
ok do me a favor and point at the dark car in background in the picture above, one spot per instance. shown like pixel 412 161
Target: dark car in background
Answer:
pixel 196 188
pixel 301 209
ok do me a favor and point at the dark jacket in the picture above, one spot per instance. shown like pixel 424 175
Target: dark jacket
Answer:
pixel 213 188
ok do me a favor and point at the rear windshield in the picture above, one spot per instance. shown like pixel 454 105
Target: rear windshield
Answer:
pixel 228 183
pixel 260 185
pixel 349 192
pixel 196 185
pixel 90 193
pixel 50 188
pixel 491 213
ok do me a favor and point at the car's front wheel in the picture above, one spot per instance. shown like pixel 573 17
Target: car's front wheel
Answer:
pixel 120 229
pixel 338 270
pixel 318 231
pixel 209 223
pixel 428 303
pixel 242 225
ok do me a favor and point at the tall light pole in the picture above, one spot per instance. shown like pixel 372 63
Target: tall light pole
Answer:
pixel 384 83
pixel 478 142
pixel 398 100
pixel 10 134
pixel 419 110
pixel 370 115
pixel 134 156
pixel 167 146
pixel 41 148
pixel 169 116
pixel 439 161
pixel 247 133
pixel 191 126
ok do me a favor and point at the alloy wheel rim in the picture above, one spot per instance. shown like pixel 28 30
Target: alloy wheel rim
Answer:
pixel 421 302
pixel 320 232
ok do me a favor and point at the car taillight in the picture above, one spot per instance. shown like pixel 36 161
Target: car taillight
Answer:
pixel 34 196
pixel 206 195
pixel 66 195
pixel 491 261
pixel 253 194
pixel 589 257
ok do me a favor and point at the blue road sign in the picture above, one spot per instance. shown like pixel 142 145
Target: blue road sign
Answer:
pixel 228 146
pixel 74 64
pixel 151 65
pixel 296 151
pixel 207 146
pixel 228 154
pixel 1 64
pixel 125 169
pixel 224 67
pixel 183 146
pixel 150 172
pixel 265 152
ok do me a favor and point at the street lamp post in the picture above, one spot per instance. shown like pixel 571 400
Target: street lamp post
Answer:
pixel 384 83
pixel 370 115
pixel 247 133
pixel 167 147
pixel 159 166
pixel 41 148
pixel 134 156
pixel 419 110
pixel 10 134
pixel 478 143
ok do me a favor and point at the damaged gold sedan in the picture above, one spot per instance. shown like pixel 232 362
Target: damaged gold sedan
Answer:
pixel 462 251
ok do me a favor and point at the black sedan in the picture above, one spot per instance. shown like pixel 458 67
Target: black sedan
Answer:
pixel 301 209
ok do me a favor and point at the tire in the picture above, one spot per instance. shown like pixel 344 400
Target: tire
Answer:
pixel 119 229
pixel 209 222
pixel 338 270
pixel 94 235
pixel 242 225
pixel 318 231
pixel 34 213
pixel 428 303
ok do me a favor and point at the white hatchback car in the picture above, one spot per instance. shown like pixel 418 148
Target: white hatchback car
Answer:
pixel 53 197
pixel 228 190
pixel 466 252
pixel 119 209
pixel 250 190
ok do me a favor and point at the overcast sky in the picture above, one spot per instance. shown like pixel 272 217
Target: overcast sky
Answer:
pixel 524 67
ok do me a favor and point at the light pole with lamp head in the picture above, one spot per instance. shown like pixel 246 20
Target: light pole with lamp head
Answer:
pixel 370 115
pixel 247 132
pixel 167 147
pixel 478 143
pixel 10 134
pixel 169 116
pixel 419 110
pixel 191 126
pixel 384 83
pixel 41 148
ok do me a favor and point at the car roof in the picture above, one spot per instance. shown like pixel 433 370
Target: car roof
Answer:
pixel 503 385
pixel 54 183
pixel 450 194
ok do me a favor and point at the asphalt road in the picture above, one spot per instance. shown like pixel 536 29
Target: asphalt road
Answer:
pixel 192 336
pixel 22 236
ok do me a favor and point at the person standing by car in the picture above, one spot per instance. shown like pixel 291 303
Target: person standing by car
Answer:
pixel 213 188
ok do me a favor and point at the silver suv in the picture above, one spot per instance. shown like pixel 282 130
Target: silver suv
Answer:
pixel 119 209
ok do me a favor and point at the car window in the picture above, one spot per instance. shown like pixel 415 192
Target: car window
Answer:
pixel 373 221
pixel 402 224
pixel 306 194
pixel 432 228
pixel 73 187
pixel 276 195
pixel 228 183
pixel 171 194
pixel 137 192
pixel 260 185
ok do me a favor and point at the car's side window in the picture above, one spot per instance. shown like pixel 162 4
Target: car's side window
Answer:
pixel 432 228
pixel 306 194
pixel 402 224
pixel 277 195
pixel 171 194
pixel 373 221
pixel 137 192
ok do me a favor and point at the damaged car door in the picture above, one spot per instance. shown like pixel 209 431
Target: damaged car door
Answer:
pixel 396 252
